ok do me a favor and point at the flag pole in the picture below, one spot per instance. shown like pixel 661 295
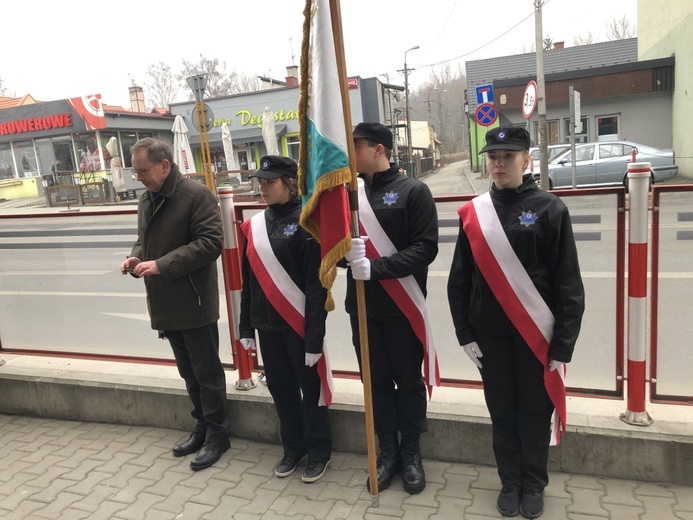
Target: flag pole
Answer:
pixel 336 15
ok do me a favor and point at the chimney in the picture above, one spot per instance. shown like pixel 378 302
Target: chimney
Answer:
pixel 136 99
pixel 292 76
pixel 559 45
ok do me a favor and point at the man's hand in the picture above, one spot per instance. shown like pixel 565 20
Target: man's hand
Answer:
pixel 361 269
pixel 248 343
pixel 311 359
pixel 474 352
pixel 358 249
pixel 148 268
pixel 553 364
pixel 129 264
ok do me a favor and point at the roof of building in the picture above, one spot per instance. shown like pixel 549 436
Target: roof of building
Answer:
pixel 580 57
pixel 11 102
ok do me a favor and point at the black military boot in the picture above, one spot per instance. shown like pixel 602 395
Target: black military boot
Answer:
pixel 389 461
pixel 413 476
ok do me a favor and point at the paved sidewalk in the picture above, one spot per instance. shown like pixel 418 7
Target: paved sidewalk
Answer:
pixel 55 469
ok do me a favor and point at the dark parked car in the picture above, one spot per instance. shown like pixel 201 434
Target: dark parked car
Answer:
pixel 606 164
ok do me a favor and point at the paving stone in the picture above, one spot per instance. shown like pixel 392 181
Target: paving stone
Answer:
pixel 55 509
pixel 53 491
pixel 337 492
pixel 457 485
pixel 106 510
pixel 92 502
pixel 21 511
pixel 121 473
pixel 653 490
pixel 558 485
pixel 85 486
pixel 451 507
pixel 487 479
pixel 19 495
pixel 137 510
pixel 73 514
pixel 132 490
pixel 684 498
pixel 620 492
pixel 13 475
pixel 86 467
pixel 229 507
pixel 623 512
pixel 587 501
pixel 658 508
pixel 339 511
pixel 586 482
pixel 310 507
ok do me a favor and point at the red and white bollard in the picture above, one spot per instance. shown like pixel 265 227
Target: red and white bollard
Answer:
pixel 231 262
pixel 638 189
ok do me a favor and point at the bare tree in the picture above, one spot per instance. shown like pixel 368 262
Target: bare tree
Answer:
pixel 3 88
pixel 584 40
pixel 219 81
pixel 248 82
pixel 548 43
pixel 620 29
pixel 163 88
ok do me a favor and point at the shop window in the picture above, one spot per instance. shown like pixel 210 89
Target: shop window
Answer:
pixel 551 133
pixel 25 159
pixel 87 146
pixel 104 137
pixel 127 140
pixel 7 170
pixel 581 134
pixel 292 146
pixel 607 128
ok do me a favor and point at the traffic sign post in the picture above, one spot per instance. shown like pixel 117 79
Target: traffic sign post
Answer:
pixel 529 99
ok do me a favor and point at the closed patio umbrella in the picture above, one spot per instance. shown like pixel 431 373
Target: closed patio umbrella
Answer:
pixel 182 153
pixel 227 142
pixel 269 134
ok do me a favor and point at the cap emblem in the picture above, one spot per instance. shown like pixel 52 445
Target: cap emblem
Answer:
pixel 502 135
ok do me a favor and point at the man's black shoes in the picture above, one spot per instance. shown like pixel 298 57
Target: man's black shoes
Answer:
pixel 532 504
pixel 209 454
pixel 389 461
pixel 287 465
pixel 508 503
pixel 191 445
pixel 413 475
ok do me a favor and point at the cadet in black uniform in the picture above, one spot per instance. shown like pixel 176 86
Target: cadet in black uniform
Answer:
pixel 535 228
pixel 290 360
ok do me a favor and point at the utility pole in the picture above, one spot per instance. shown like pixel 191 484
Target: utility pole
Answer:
pixel 406 103
pixel 541 98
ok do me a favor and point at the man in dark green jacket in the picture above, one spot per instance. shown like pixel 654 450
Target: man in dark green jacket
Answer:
pixel 179 238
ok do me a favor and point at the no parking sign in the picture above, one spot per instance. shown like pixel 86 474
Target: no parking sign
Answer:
pixel 485 114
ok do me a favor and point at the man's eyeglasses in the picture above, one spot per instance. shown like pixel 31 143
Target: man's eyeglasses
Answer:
pixel 143 172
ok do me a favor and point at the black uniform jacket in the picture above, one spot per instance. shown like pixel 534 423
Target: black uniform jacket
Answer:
pixel 299 254
pixel 183 233
pixel 545 247
pixel 407 212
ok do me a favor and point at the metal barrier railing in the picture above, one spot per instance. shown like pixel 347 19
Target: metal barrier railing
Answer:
pixel 615 199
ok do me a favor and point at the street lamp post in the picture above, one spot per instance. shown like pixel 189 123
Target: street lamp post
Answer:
pixel 406 103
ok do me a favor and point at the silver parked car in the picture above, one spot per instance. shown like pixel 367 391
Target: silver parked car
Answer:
pixel 553 151
pixel 606 164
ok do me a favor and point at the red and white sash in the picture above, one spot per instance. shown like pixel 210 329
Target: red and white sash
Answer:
pixel 517 294
pixel 405 292
pixel 282 293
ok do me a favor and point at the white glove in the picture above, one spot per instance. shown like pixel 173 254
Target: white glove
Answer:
pixel 361 269
pixel 311 359
pixel 358 249
pixel 474 352
pixel 553 364
pixel 248 343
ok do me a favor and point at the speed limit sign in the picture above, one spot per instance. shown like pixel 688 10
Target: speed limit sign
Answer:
pixel 529 100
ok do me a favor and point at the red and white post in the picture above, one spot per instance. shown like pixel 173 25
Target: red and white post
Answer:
pixel 638 189
pixel 231 261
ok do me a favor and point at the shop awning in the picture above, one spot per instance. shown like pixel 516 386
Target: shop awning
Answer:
pixel 249 135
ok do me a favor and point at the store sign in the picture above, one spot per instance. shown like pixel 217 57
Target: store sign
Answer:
pixel 246 117
pixel 35 124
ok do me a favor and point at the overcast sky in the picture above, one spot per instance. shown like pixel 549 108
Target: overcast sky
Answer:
pixel 57 50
